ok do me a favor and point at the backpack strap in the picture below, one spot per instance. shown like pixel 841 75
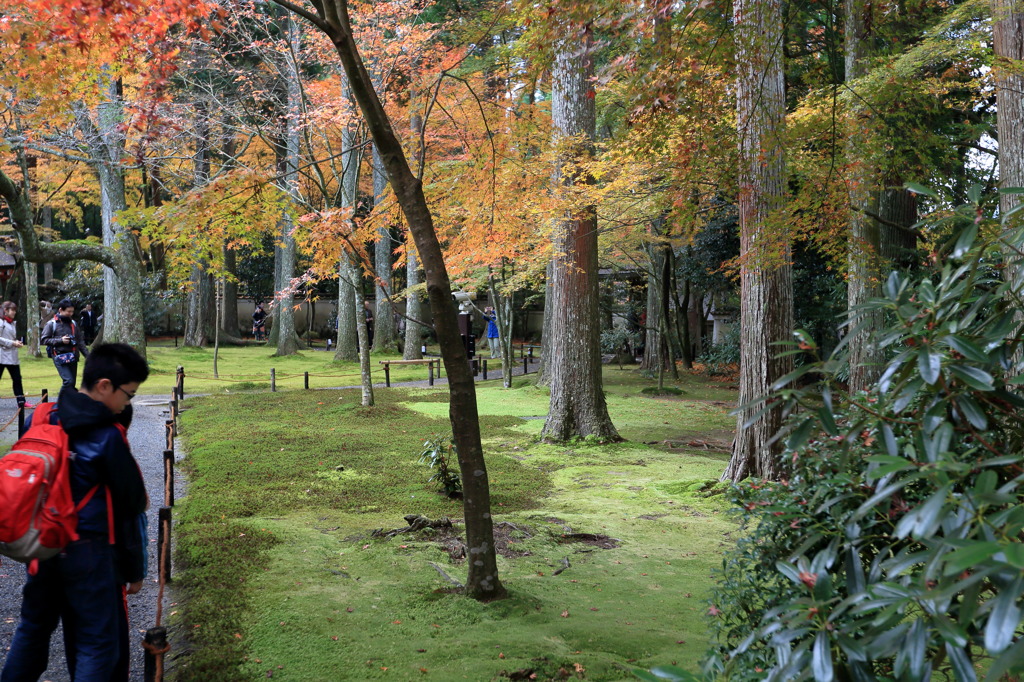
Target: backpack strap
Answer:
pixel 43 413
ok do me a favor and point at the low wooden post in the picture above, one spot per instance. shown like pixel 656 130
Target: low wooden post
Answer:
pixel 387 375
pixel 155 645
pixel 431 366
pixel 44 397
pixel 531 353
pixel 168 478
pixel 180 382
pixel 169 431
pixel 165 534
pixel 305 381
pixel 526 365
pixel 475 366
pixel 485 369
pixel 21 421
pixel 273 380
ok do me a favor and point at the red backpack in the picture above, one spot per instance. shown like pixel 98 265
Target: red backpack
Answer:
pixel 38 516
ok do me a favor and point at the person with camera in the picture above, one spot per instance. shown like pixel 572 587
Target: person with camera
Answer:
pixel 64 342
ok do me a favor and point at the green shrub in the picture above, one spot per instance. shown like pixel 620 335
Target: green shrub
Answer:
pixel 440 454
pixel 893 550
pixel 723 357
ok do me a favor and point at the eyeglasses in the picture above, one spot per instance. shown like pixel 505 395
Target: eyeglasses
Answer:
pixel 130 395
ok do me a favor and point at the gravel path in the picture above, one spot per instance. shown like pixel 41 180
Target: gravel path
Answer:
pixel 147 439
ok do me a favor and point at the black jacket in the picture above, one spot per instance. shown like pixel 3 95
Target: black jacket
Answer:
pixel 54 333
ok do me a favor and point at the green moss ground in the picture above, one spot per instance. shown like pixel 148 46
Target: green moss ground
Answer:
pixel 281 574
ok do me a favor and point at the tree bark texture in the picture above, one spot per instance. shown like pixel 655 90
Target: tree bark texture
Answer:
pixel 546 333
pixel 864 275
pixel 413 305
pixel 287 341
pixel 577 394
pixel 413 308
pixel 1008 45
pixel 349 275
pixel 363 331
pixel 766 284
pixel 482 581
pixel 383 317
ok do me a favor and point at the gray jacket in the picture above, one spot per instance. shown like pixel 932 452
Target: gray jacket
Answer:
pixel 8 335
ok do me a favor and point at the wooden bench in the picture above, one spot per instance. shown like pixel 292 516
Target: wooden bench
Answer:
pixel 425 361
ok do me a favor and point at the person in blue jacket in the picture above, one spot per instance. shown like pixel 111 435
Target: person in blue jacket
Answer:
pixel 85 586
pixel 493 341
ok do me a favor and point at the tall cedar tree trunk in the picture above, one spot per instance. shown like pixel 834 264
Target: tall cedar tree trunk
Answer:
pixel 287 339
pixel 383 316
pixel 766 283
pixel 1008 43
pixel 864 250
pixel 898 208
pixel 413 306
pixel 482 582
pixel 198 325
pixel 577 396
pixel 348 274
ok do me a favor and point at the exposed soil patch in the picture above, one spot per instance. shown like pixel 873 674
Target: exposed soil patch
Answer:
pixel 592 539
pixel 505 536
pixel 652 517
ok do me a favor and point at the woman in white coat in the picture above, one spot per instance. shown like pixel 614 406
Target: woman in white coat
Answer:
pixel 9 345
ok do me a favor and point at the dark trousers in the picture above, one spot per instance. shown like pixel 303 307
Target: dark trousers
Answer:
pixel 15 372
pixel 79 588
pixel 68 373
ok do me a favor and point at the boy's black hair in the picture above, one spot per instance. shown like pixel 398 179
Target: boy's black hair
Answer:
pixel 118 362
pixel 65 304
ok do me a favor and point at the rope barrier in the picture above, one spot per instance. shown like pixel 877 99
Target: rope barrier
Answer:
pixel 11 420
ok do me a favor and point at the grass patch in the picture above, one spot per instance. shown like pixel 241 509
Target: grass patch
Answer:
pixel 281 571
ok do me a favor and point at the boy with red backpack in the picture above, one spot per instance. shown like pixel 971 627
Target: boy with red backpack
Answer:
pixel 85 585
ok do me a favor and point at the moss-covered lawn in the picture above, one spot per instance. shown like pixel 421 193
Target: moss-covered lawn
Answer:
pixel 279 573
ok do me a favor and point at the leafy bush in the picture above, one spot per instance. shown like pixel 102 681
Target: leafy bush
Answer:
pixel 723 358
pixel 893 551
pixel 439 453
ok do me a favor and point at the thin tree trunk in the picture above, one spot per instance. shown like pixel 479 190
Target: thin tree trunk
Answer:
pixel 413 307
pixel 547 333
pixel 482 581
pixel 766 284
pixel 577 393
pixel 365 377
pixel 348 339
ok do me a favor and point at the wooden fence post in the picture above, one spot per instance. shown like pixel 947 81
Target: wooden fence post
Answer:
pixel 44 397
pixel 273 380
pixel 306 381
pixel 387 375
pixel 180 382
pixel 155 645
pixel 526 365
pixel 168 478
pixel 431 366
pixel 485 369
pixel 169 431
pixel 165 534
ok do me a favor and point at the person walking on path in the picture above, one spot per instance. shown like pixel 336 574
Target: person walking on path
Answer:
pixel 64 343
pixel 85 586
pixel 493 337
pixel 89 324
pixel 9 345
